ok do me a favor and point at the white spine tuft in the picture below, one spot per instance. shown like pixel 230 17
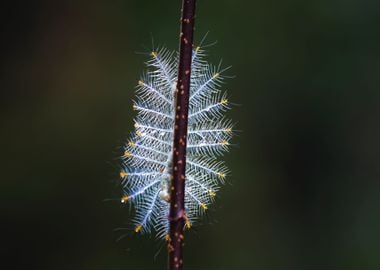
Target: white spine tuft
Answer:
pixel 147 158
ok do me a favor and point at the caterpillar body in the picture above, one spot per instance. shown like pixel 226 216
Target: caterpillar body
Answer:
pixel 147 159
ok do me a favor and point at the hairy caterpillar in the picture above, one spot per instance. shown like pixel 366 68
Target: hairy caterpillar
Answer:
pixel 147 160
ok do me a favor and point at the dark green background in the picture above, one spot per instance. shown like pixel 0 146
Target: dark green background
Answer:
pixel 304 190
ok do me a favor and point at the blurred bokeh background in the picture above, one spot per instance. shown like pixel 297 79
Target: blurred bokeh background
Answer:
pixel 304 191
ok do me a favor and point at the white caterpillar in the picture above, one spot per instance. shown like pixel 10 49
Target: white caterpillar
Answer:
pixel 147 160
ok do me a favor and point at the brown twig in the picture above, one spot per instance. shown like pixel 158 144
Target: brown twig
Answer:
pixel 177 215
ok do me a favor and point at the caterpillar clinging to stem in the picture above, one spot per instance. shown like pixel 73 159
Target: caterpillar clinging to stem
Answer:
pixel 170 169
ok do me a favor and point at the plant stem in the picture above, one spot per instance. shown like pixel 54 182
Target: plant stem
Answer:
pixel 177 215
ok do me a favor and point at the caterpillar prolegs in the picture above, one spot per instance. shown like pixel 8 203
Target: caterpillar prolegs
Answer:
pixel 147 160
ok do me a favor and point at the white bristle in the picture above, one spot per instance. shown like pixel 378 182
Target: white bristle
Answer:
pixel 147 160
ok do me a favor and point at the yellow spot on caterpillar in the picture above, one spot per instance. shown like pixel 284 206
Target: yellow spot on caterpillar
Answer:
pixel 154 54
pixel 188 224
pixel 131 144
pixel 222 175
pixel 216 75
pixel 140 82
pixel 224 102
pixel 123 174
pixel 137 125
pixel 138 133
pixel 224 143
pixel 197 49
pixel 138 228
pixel 124 199
pixel 212 193
pixel 167 237
pixel 127 154
pixel 134 107
pixel 204 206
pixel 228 130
